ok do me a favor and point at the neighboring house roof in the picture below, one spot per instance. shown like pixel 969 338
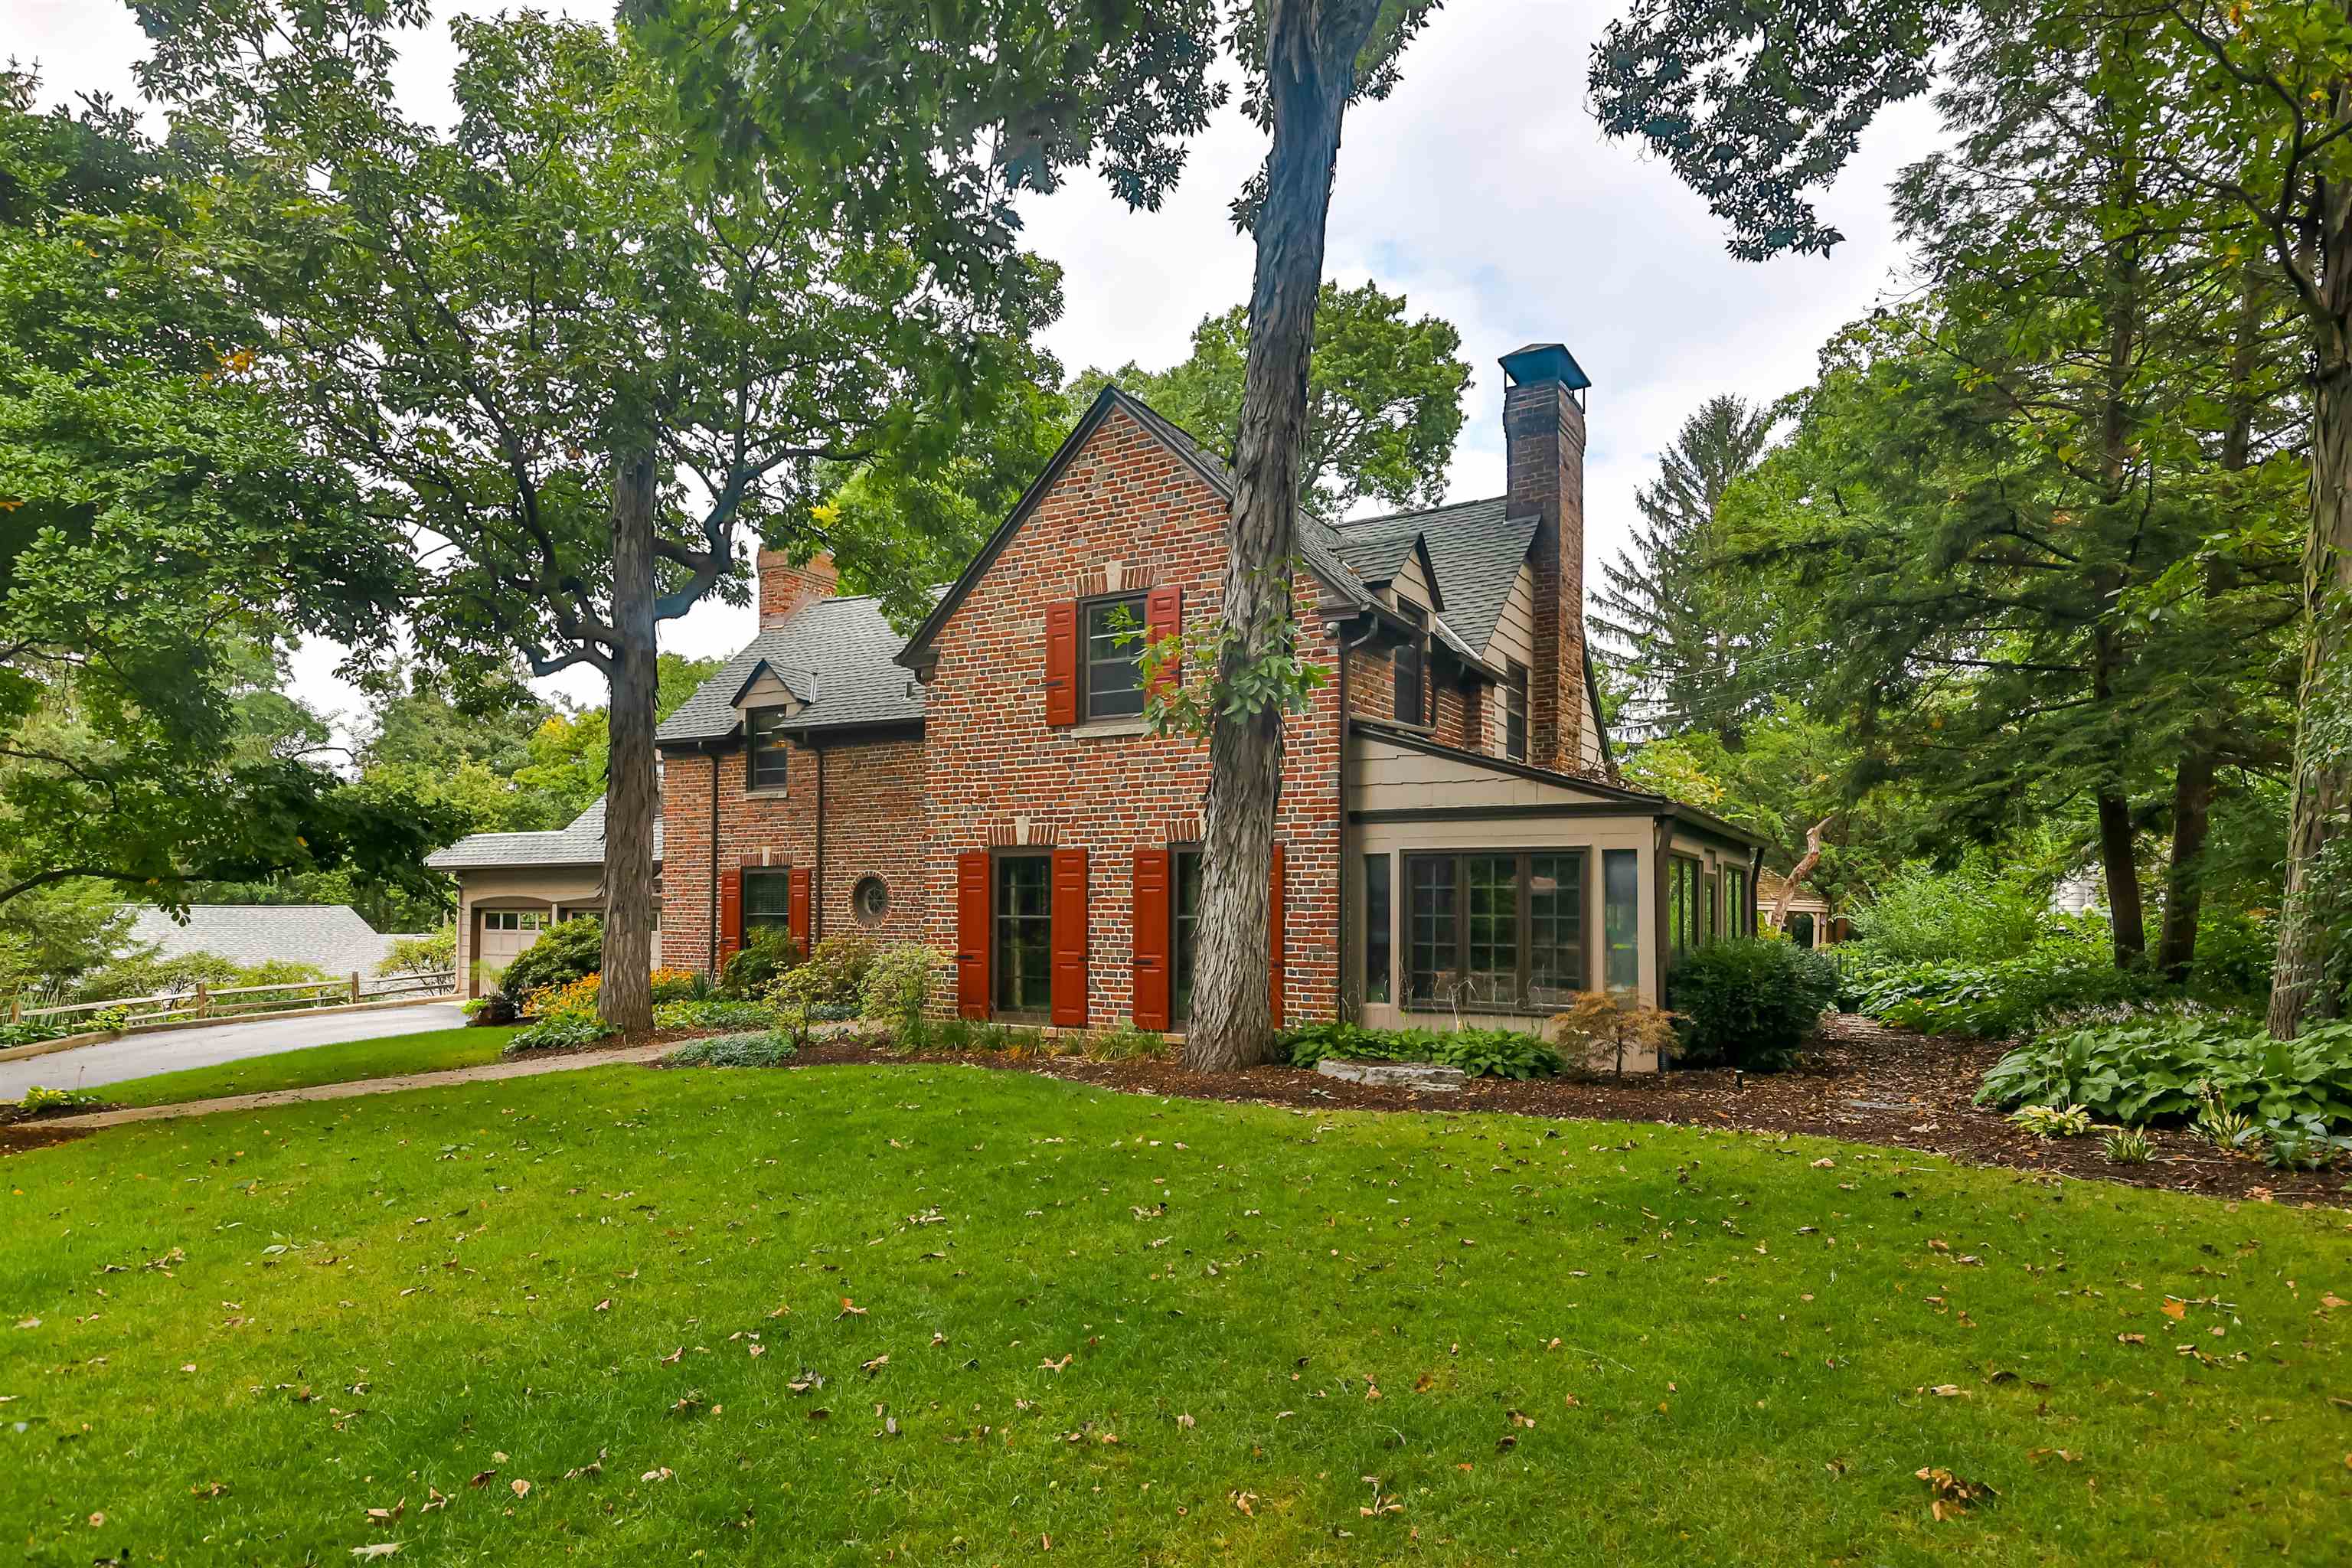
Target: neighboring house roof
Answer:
pixel 1768 886
pixel 327 937
pixel 580 844
pixel 1318 545
pixel 835 654
pixel 1475 552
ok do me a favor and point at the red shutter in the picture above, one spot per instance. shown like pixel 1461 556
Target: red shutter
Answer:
pixel 1152 952
pixel 972 934
pixel 1062 663
pixel 1070 938
pixel 1274 922
pixel 797 910
pixel 730 913
pixel 1163 616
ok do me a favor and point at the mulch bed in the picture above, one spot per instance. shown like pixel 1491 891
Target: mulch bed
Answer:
pixel 1863 1082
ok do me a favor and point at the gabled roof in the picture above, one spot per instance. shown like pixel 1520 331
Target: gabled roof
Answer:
pixel 1475 552
pixel 582 843
pixel 1317 547
pixel 1377 557
pixel 835 655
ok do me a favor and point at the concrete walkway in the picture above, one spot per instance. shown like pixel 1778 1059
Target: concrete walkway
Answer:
pixel 488 1072
pixel 169 1050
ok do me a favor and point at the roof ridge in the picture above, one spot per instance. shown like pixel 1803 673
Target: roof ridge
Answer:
pixel 1422 511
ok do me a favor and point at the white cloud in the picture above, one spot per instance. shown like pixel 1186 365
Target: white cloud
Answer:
pixel 1482 189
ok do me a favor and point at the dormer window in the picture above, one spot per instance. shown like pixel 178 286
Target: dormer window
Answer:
pixel 764 748
pixel 1412 663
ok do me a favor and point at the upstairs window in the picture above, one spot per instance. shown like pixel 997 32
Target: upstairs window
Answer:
pixel 1112 669
pixel 765 749
pixel 1412 663
pixel 1514 714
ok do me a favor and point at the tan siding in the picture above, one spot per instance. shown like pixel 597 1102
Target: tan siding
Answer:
pixel 1514 628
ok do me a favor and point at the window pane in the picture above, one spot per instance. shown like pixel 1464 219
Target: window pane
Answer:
pixel 1379 952
pixel 1622 914
pixel 1408 683
pixel 1114 631
pixel 767 901
pixel 1707 901
pixel 1184 929
pixel 1514 716
pixel 1493 894
pixel 1431 938
pixel 1024 935
pixel 1555 929
pixel 766 748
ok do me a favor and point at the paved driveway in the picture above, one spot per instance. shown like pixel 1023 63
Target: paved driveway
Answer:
pixel 169 1050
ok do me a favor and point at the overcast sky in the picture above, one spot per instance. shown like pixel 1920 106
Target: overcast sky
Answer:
pixel 1480 189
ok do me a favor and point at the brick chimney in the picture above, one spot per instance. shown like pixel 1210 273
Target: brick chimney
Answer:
pixel 1543 435
pixel 785 589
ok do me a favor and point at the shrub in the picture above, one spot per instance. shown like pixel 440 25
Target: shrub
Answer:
pixel 1121 1045
pixel 564 953
pixel 674 985
pixel 2053 1121
pixel 834 975
pixel 766 955
pixel 2004 1000
pixel 1481 1053
pixel 32 1031
pixel 1604 1025
pixel 40 1098
pixel 2176 1068
pixel 422 954
pixel 715 1012
pixel 2302 1143
pixel 1986 909
pixel 577 996
pixel 759 1048
pixel 2128 1146
pixel 1749 1001
pixel 497 1008
pixel 897 987
pixel 559 1032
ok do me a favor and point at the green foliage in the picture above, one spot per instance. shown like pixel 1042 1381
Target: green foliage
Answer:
pixel 710 1012
pixel 422 954
pixel 558 1032
pixel 833 976
pixel 52 936
pixel 2128 1146
pixel 767 955
pixel 1481 1053
pixel 1123 1044
pixel 760 1049
pixel 1991 905
pixel 1747 1002
pixel 897 987
pixel 2053 1120
pixel 2186 1067
pixel 40 1098
pixel 1383 398
pixel 566 952
pixel 142 974
pixel 2006 998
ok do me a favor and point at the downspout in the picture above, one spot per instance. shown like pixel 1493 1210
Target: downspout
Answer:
pixel 1340 871
pixel 816 878
pixel 712 748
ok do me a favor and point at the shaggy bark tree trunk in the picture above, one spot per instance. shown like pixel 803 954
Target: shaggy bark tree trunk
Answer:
pixel 2184 894
pixel 1798 873
pixel 631 800
pixel 1312 51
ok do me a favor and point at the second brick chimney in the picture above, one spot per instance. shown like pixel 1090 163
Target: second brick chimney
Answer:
pixel 785 589
pixel 1543 435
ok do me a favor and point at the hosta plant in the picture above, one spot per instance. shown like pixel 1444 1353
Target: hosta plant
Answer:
pixel 2128 1146
pixel 2053 1121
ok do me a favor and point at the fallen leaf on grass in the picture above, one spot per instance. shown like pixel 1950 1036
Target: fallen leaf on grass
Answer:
pixel 381 1549
pixel 870 1367
pixel 849 1310
pixel 2131 1339
pixel 1950 1496
pixel 519 1487
pixel 672 1359
pixel 388 1514
pixel 483 1479
pixel 660 1473
pixel 2064 1453
pixel 2174 1310
pixel 1245 1501
pixel 434 1499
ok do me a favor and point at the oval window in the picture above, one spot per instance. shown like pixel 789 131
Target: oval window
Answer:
pixel 869 901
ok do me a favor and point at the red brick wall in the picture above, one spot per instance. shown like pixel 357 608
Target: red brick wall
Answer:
pixel 784 587
pixel 1543 432
pixel 999 773
pixel 873 824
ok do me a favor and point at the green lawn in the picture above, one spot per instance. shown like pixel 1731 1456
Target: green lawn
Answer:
pixel 1114 1322
pixel 389 1057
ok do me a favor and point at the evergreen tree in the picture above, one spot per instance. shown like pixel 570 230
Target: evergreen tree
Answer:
pixel 1672 623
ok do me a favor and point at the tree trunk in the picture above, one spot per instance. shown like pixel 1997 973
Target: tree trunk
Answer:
pixel 2121 869
pixel 2184 892
pixel 1310 59
pixel 1798 873
pixel 632 799
pixel 2300 992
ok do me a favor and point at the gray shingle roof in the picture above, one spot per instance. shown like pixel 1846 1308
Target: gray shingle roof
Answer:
pixel 1475 548
pixel 841 649
pixel 328 937
pixel 580 844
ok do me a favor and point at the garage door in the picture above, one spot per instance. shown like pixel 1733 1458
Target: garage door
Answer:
pixel 505 934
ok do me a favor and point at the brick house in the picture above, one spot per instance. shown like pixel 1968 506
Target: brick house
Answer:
pixel 1451 839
